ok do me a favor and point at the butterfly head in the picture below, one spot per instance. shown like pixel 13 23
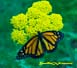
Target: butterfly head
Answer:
pixel 39 33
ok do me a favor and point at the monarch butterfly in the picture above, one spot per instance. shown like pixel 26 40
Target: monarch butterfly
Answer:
pixel 37 45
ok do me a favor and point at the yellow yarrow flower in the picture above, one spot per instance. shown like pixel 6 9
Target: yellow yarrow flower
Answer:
pixel 36 19
pixel 56 20
pixel 19 36
pixel 33 13
pixel 43 6
pixel 19 21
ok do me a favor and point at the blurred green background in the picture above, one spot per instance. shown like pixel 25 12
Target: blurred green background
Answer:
pixel 67 48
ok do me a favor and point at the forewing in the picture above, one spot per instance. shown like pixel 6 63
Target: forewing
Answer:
pixel 51 38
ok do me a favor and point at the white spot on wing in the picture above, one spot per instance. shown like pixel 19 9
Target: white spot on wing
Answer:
pixel 21 51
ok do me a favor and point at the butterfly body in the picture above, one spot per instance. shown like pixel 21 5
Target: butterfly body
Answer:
pixel 39 44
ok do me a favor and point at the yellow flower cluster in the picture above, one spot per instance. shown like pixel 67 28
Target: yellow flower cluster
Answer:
pixel 56 20
pixel 18 21
pixel 37 18
pixel 43 6
pixel 19 36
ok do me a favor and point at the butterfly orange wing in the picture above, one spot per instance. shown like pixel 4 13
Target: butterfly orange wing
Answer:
pixel 50 39
pixel 36 47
